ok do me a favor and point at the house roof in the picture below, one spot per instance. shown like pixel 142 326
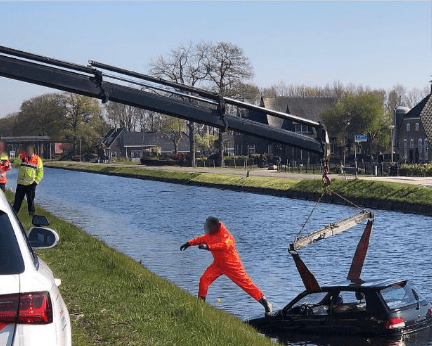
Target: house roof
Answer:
pixel 426 116
pixel 111 136
pixel 417 110
pixel 306 107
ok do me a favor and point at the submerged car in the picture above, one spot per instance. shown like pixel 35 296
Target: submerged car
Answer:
pixel 371 308
pixel 32 311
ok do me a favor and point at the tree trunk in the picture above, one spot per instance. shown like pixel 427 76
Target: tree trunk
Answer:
pixel 175 147
pixel 220 160
pixel 192 148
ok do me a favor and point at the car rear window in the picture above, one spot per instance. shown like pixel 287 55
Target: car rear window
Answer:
pixel 11 261
pixel 398 295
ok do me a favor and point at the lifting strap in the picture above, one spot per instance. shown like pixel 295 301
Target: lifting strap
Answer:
pixel 360 254
pixel 309 280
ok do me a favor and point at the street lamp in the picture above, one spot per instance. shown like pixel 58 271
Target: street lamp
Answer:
pixel 392 144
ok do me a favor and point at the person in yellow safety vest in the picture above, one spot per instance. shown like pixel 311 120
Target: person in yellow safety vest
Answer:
pixel 30 175
pixel 4 166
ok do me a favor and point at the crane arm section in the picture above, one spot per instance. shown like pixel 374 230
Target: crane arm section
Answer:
pixel 154 94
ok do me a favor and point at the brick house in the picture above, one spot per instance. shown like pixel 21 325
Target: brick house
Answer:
pixel 413 132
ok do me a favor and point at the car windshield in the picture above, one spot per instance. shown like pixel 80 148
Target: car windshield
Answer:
pixel 398 295
pixel 11 261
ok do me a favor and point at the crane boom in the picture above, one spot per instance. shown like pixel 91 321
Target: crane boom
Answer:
pixel 153 94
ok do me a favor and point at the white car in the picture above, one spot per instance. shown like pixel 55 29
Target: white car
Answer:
pixel 32 311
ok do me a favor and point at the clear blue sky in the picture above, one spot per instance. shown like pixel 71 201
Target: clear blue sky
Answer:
pixel 378 44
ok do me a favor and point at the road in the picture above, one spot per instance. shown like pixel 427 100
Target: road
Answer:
pixel 419 181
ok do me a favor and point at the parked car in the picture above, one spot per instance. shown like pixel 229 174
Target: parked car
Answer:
pixel 371 308
pixel 32 311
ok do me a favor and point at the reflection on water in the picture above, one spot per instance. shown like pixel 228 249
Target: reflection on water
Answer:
pixel 422 338
pixel 149 220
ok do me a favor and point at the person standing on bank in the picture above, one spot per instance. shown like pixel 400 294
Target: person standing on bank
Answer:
pixel 219 241
pixel 4 166
pixel 30 175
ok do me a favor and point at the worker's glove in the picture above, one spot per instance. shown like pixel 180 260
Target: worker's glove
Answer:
pixel 184 246
pixel 34 184
pixel 203 247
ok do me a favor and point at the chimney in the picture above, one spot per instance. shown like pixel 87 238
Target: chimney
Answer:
pixel 431 85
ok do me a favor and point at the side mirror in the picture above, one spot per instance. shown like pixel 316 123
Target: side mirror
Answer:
pixel 42 238
pixel 39 220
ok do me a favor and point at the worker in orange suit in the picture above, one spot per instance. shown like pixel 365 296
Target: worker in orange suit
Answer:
pixel 5 166
pixel 219 241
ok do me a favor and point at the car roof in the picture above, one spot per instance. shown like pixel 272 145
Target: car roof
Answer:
pixel 368 284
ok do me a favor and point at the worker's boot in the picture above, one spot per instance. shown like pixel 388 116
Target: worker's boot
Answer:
pixel 267 305
pixel 202 298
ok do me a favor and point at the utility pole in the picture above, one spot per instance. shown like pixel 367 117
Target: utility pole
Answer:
pixel 392 141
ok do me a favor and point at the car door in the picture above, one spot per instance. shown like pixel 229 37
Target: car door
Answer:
pixel 348 314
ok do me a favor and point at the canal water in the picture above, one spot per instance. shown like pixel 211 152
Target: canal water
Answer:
pixel 149 220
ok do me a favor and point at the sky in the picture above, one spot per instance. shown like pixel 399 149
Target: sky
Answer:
pixel 374 43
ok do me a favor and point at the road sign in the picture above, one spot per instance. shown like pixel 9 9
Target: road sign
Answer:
pixel 360 138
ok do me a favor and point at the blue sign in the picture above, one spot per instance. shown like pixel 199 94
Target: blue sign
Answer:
pixel 360 138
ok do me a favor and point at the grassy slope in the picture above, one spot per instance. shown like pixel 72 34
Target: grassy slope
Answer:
pixel 114 300
pixel 385 191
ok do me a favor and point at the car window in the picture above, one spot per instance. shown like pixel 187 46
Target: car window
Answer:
pixel 398 296
pixel 311 299
pixel 349 301
pixel 11 261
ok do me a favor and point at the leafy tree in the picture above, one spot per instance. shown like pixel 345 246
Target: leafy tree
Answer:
pixel 206 142
pixel 359 114
pixel 41 116
pixel 173 129
pixel 82 122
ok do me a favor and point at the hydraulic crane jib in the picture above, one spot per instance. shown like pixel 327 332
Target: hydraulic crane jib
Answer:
pixel 110 83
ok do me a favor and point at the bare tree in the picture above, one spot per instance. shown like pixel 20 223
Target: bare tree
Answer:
pixel 227 67
pixel 183 65
pixel 124 116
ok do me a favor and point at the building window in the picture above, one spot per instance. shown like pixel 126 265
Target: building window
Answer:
pixel 417 125
pixel 426 149
pixel 405 149
pixel 412 143
pixel 269 149
pixel 251 149
pixel 408 127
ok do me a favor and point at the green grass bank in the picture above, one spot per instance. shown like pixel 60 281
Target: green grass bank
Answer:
pixel 113 300
pixel 371 194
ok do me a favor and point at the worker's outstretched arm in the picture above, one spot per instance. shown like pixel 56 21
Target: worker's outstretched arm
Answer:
pixel 195 241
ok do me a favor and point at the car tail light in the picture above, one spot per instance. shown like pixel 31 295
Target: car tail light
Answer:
pixel 26 308
pixel 395 323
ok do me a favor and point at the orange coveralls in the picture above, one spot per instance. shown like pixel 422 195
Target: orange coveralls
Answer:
pixel 226 262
